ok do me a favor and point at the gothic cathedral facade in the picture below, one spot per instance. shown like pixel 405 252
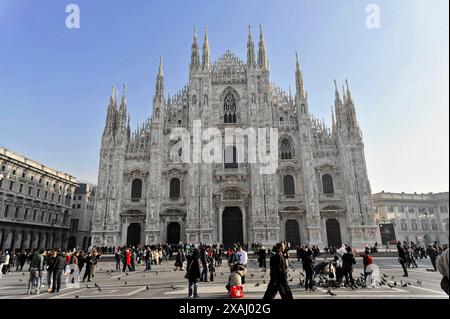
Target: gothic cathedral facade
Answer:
pixel 319 195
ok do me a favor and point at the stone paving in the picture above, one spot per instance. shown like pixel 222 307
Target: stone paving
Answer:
pixel 162 282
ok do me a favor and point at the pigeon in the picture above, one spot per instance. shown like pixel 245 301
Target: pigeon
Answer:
pixel 419 282
pixel 257 284
pixel 291 279
pixel 385 276
pixel 23 274
pixel 395 283
pixel 87 286
pixel 101 269
pixel 147 288
pixel 331 293
pixel 98 287
pixel 221 273
pixel 251 275
pixel 76 297
pixel 118 278
pixel 156 273
pixel 264 281
pixel 262 276
pixel 173 286
pixel 126 274
pixel 125 282
pixel 20 280
pixel 390 286
pixel 392 277
pixel 405 285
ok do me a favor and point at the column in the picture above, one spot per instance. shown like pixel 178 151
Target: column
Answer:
pixel 18 241
pixel 8 240
pixel 219 232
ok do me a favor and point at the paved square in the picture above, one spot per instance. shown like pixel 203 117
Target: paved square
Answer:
pixel 162 282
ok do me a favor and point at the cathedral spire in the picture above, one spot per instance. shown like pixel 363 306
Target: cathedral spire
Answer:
pixel 262 56
pixel 159 91
pixel 250 48
pixel 206 61
pixel 336 94
pixel 195 57
pixel 299 77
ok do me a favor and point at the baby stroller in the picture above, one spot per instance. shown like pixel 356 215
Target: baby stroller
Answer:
pixel 234 286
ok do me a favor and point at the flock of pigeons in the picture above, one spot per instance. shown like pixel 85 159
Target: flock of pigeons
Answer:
pixel 319 280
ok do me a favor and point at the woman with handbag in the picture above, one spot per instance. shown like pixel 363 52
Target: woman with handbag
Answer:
pixel 193 273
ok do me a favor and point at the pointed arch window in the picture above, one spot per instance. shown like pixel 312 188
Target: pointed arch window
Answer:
pixel 229 108
pixel 403 225
pixel 136 189
pixel 414 224
pixel 327 184
pixel 288 185
pixel 286 151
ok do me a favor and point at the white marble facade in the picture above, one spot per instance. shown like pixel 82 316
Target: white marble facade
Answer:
pixel 320 193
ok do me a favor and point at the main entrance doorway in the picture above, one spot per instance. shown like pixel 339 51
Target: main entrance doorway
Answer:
pixel 292 232
pixel 333 233
pixel 232 228
pixel 173 233
pixel 134 234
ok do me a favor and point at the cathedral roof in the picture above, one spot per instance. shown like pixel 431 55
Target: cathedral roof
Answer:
pixel 229 69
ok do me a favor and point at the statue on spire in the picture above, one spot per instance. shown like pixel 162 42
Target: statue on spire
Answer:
pixel 206 54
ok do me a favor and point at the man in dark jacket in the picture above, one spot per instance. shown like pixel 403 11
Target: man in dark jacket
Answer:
pixel 262 258
pixel 402 258
pixel 348 260
pixel 278 275
pixel 308 267
pixel 58 269
pixel 433 253
pixel 193 272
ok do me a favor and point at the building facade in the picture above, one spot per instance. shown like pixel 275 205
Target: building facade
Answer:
pixel 35 203
pixel 320 193
pixel 418 218
pixel 82 212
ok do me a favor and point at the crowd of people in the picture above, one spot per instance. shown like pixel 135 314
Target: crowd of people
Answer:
pixel 199 262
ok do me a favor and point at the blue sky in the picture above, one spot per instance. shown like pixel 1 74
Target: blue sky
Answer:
pixel 55 82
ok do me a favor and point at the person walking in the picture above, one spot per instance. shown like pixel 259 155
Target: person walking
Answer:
pixel 117 259
pixel 278 275
pixel 204 261
pixel 87 272
pixel 148 259
pixel 442 266
pixel 308 267
pixel 50 267
pixel 402 258
pixel 348 260
pixel 242 260
pixel 193 273
pixel 433 254
pixel 179 259
pixel 58 270
pixel 2 263
pixel 262 256
pixel 36 267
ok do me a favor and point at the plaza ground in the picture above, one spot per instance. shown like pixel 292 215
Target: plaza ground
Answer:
pixel 162 282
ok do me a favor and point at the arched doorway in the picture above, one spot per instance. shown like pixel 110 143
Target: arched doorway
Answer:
pixel 173 233
pixel 72 243
pixel 232 229
pixel 134 234
pixel 333 233
pixel 292 232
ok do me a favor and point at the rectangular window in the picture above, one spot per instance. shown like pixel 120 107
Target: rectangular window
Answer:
pixel 23 175
pixel 45 195
pixel 38 193
pixel 14 172
pixel 34 215
pixel 59 198
pixel 21 188
pixel 3 168
pixel 1 182
pixel 11 185
pixel 78 206
pixel 6 211
pixel 30 189
pixel 79 197
pixel 53 197
pixel 411 210
pixel 73 225
pixel 391 209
